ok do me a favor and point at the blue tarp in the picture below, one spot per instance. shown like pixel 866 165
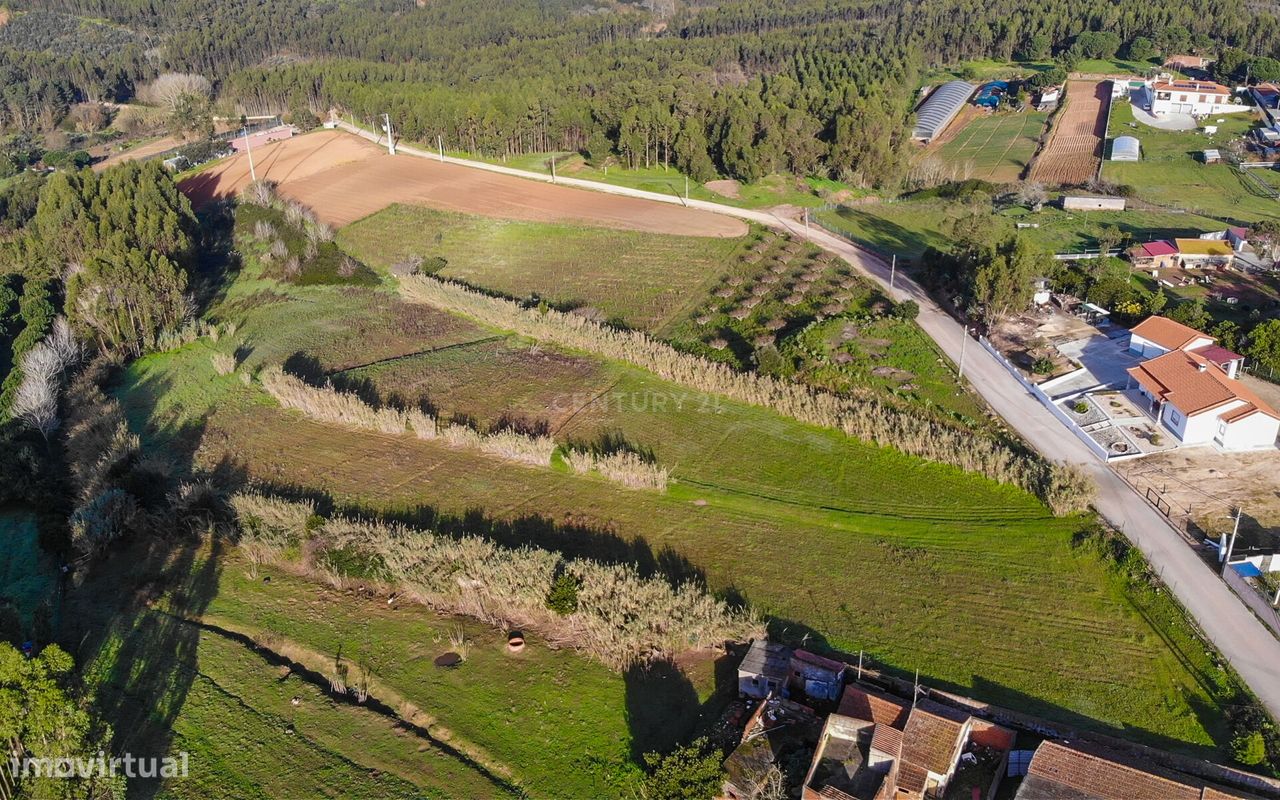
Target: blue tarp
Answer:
pixel 1246 570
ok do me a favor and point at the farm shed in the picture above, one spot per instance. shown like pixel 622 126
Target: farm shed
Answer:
pixel 1081 203
pixel 940 108
pixel 764 670
pixel 1125 148
pixel 990 95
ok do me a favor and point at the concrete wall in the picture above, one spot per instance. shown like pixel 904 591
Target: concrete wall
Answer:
pixel 1093 203
pixel 1254 432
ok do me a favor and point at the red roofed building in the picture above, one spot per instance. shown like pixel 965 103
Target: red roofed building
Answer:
pixel 1154 255
pixel 1199 403
pixel 1064 771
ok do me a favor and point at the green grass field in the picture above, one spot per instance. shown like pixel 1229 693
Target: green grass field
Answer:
pixel 997 147
pixel 908 227
pixel 643 280
pixel 1172 174
pixel 919 565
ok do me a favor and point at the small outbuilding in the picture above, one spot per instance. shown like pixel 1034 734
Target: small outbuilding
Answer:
pixel 1212 156
pixel 1125 148
pixel 1085 203
pixel 764 670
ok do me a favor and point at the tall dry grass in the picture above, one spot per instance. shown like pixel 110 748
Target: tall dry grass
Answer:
pixel 626 468
pixel 863 418
pixel 327 404
pixel 621 619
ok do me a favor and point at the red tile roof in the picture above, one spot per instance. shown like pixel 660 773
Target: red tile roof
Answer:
pixel 1205 87
pixel 911 781
pixel 1194 384
pixel 1091 775
pixel 874 707
pixel 887 740
pixel 1168 334
pixel 933 736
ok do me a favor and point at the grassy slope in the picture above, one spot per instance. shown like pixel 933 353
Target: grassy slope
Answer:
pixel 642 279
pixel 560 725
pixel 920 565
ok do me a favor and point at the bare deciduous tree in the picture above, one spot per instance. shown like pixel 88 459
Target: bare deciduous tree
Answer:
pixel 36 401
pixel 168 89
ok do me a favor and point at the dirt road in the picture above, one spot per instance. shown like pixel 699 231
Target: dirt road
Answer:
pixel 1251 649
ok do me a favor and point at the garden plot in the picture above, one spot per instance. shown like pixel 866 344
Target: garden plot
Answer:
pixel 996 148
pixel 1074 150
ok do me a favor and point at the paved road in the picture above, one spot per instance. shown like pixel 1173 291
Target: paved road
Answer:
pixel 1233 629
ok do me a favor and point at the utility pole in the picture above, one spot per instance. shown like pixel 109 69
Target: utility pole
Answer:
pixel 806 220
pixel 859 666
pixel 440 146
pixel 386 126
pixel 963 343
pixel 553 167
pixel 1231 543
pixel 253 173
pixel 686 186
pixel 893 271
pixel 1275 603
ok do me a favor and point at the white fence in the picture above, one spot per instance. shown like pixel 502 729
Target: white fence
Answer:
pixel 1093 446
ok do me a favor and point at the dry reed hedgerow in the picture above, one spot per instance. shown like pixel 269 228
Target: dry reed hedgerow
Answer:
pixel 621 618
pixel 328 405
pixel 626 468
pixel 1066 489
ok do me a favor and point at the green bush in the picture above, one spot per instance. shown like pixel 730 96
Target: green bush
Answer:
pixel 907 309
pixel 1042 366
pixel 1080 407
pixel 563 597
pixel 1249 749
pixel 692 772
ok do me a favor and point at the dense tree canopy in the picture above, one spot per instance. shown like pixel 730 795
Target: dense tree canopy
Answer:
pixel 742 88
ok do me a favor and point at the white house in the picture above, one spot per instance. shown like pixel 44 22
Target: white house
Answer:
pixel 1155 336
pixel 1199 403
pixel 1198 98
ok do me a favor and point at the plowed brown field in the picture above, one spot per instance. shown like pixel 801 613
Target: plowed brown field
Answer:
pixel 345 178
pixel 1074 149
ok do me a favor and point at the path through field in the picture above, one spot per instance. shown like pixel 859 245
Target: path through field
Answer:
pixel 345 179
pixel 1074 149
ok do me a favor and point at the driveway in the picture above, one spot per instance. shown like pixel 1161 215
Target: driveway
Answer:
pixel 1106 359
pixel 1250 647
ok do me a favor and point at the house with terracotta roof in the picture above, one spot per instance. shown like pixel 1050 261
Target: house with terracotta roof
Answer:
pixel 1199 403
pixel 778 731
pixel 1197 98
pixel 1070 771
pixel 1155 336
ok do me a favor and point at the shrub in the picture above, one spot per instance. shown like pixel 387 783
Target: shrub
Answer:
pixel 1080 407
pixel 1249 749
pixel 690 772
pixel 223 363
pixel 101 521
pixel 1043 365
pixel 907 309
pixel 563 597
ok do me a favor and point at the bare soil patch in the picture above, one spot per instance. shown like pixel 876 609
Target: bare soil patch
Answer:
pixel 345 178
pixel 1074 149
pixel 726 188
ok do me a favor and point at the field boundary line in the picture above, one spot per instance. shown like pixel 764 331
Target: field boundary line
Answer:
pixel 428 351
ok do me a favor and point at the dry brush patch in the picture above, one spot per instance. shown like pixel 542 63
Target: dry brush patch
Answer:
pixel 616 616
pixel 628 469
pixel 861 418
